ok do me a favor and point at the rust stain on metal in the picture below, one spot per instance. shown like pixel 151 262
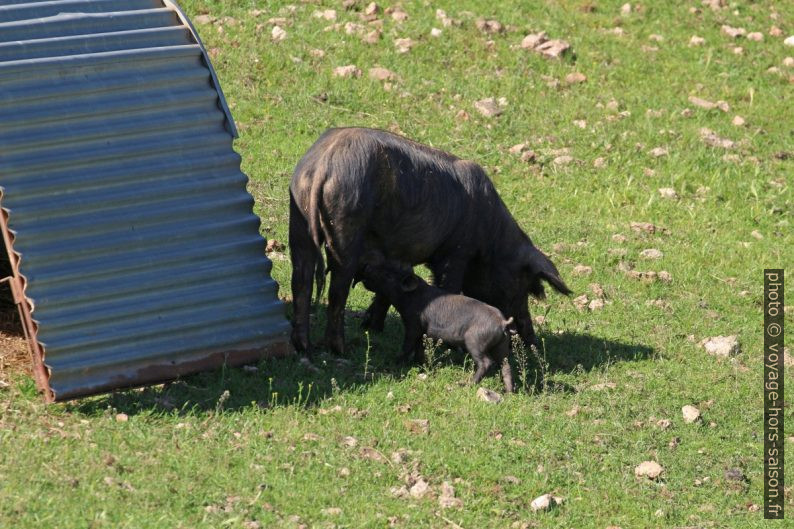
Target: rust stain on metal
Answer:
pixel 17 283
pixel 170 371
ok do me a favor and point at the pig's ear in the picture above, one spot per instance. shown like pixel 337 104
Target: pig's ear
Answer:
pixel 540 268
pixel 409 283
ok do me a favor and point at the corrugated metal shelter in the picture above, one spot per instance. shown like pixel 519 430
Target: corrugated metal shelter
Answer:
pixel 134 251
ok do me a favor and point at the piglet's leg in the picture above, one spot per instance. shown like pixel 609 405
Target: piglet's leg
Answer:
pixel 376 314
pixel 501 352
pixel 481 360
pixel 412 342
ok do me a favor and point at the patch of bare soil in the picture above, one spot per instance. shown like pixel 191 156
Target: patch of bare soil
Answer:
pixel 14 354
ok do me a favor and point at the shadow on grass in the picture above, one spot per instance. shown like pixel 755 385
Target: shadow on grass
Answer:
pixel 369 358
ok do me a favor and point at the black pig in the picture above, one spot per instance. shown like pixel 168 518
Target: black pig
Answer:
pixel 360 189
pixel 453 318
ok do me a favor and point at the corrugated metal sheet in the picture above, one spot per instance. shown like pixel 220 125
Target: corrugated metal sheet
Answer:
pixel 132 230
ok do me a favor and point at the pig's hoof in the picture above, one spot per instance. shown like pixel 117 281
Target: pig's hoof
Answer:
pixel 371 323
pixel 335 344
pixel 300 342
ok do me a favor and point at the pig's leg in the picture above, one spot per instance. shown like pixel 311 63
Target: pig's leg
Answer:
pixel 304 259
pixel 343 259
pixel 376 313
pixel 524 325
pixel 411 342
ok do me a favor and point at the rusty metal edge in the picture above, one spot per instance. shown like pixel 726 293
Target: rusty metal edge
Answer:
pixel 172 371
pixel 24 306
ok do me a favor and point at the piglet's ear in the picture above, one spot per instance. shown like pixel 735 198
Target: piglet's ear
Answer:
pixel 410 283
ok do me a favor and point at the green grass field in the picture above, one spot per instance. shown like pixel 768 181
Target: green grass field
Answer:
pixel 332 445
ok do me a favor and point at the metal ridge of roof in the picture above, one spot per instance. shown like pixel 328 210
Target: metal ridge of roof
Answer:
pixel 135 253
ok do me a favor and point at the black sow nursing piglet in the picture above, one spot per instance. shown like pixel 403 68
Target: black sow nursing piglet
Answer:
pixel 358 190
pixel 456 319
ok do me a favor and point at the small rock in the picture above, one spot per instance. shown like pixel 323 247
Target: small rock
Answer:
pixel 122 417
pixel 665 277
pixel 277 34
pixel 625 9
pixel 372 9
pixel 397 14
pixel 648 469
pixel 447 497
pixel 274 246
pixel 373 37
pixel 664 424
pixel 489 26
pixel 789 41
pixel 343 472
pixel 722 346
pixel 755 36
pixel 697 41
pixel 382 74
pixel 553 49
pixel 486 395
pixel 690 414
pixel 419 489
pixel 349 441
pixel 562 160
pixel 596 304
pixel 399 457
pixel 368 452
pixel 709 105
pixel 575 78
pixel 775 31
pixel 326 14
pixel 711 139
pixel 597 290
pixel 582 124
pixel 488 107
pixel 599 162
pixel 788 62
pixel 543 503
pixel 534 40
pixel 435 32
pixel 738 121
pixel 658 152
pixel 347 71
pixel 646 227
pixel 418 426
pixel 581 302
pixel 668 192
pixel 518 148
pixel 732 32
pixel 351 28
pixel 582 270
pixel 404 45
pixel 400 492
pixel 651 253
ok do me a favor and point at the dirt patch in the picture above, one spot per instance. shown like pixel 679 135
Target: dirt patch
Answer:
pixel 14 353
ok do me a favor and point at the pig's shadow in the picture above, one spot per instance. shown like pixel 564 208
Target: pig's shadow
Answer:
pixel 370 356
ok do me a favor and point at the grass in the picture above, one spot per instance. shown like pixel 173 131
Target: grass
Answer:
pixel 238 447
